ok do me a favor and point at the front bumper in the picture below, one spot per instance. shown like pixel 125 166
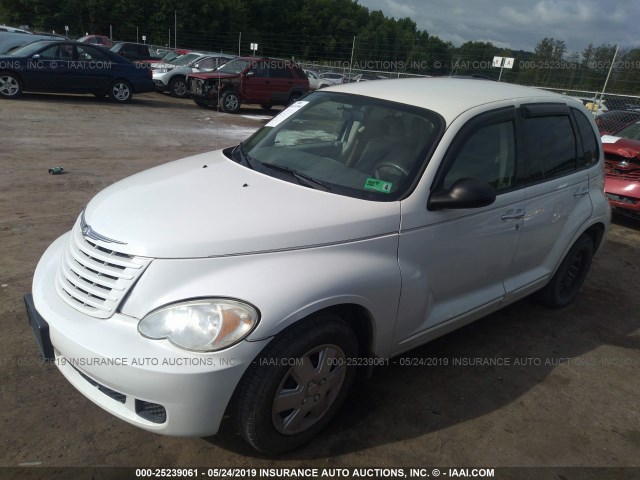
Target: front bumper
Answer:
pixel 624 205
pixel 148 383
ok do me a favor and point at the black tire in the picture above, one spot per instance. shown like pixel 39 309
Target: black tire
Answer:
pixel 566 282
pixel 10 85
pixel 230 102
pixel 266 106
pixel 178 87
pixel 120 91
pixel 315 393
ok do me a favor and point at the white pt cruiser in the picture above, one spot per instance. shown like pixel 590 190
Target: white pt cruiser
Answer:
pixel 361 222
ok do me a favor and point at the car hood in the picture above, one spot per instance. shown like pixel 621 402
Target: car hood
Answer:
pixel 624 147
pixel 208 205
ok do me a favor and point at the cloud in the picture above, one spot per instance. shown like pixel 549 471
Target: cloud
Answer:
pixel 521 24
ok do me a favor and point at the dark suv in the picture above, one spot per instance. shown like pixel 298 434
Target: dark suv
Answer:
pixel 264 81
pixel 132 51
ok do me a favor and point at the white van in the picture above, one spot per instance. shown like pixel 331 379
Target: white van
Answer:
pixel 364 220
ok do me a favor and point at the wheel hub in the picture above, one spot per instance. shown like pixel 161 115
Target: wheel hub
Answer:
pixel 309 389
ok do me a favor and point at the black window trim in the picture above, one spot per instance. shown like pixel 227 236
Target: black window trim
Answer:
pixel 538 110
pixel 485 119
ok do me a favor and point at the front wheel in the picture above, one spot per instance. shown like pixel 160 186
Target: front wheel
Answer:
pixel 178 87
pixel 10 86
pixel 566 282
pixel 230 102
pixel 296 385
pixel 120 91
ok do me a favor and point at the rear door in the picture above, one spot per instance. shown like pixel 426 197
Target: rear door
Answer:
pixel 281 82
pixel 93 69
pixel 553 171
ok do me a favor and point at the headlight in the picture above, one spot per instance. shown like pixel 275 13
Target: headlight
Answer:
pixel 202 325
pixel 161 70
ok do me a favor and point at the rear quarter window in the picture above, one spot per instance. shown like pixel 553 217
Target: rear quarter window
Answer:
pixel 590 148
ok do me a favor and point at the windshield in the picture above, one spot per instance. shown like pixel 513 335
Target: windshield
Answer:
pixel 632 131
pixel 27 50
pixel 234 66
pixel 348 144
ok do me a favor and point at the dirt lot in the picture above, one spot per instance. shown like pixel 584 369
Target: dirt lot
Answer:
pixel 569 396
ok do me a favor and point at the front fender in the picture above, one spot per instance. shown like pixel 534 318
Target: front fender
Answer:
pixel 285 286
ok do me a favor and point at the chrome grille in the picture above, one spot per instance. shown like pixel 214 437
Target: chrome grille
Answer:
pixel 94 279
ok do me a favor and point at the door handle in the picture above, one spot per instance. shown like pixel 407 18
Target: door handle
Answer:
pixel 513 214
pixel 581 191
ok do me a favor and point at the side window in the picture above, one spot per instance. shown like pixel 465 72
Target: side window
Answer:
pixel 280 72
pixel 589 141
pixel 551 147
pixel 207 63
pixel 489 155
pixel 49 53
pixel 92 54
pixel 261 70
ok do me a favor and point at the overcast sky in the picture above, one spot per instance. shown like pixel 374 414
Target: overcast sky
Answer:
pixel 521 24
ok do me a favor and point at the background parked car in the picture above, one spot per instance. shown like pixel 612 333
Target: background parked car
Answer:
pixel 71 67
pixel 5 28
pixel 12 40
pixel 332 77
pixel 622 173
pixel 265 81
pixel 132 51
pixel 174 77
pixel 100 40
pixel 315 82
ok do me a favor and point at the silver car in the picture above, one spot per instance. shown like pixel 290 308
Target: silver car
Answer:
pixel 364 220
pixel 172 77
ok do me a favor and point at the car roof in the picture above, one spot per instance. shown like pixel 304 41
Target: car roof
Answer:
pixel 449 97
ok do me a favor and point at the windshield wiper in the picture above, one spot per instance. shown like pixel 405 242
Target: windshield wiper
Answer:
pixel 243 157
pixel 302 178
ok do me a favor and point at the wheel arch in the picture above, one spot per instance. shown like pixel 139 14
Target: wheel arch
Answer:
pixel 596 232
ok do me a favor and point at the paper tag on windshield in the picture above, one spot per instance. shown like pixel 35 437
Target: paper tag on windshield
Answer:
pixel 609 139
pixel 378 185
pixel 286 113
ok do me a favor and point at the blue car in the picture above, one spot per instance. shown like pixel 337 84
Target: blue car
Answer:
pixel 72 67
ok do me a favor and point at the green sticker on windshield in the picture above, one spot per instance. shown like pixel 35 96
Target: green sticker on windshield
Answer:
pixel 378 185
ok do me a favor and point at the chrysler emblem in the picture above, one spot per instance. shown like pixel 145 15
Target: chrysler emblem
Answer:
pixel 89 232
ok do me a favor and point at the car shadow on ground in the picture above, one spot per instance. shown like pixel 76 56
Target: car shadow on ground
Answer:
pixel 445 383
pixel 625 221
pixel 151 100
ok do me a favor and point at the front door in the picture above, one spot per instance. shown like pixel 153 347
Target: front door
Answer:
pixel 454 265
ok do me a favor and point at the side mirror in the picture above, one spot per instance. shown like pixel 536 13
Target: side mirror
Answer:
pixel 465 193
pixel 37 56
pixel 250 73
pixel 197 65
